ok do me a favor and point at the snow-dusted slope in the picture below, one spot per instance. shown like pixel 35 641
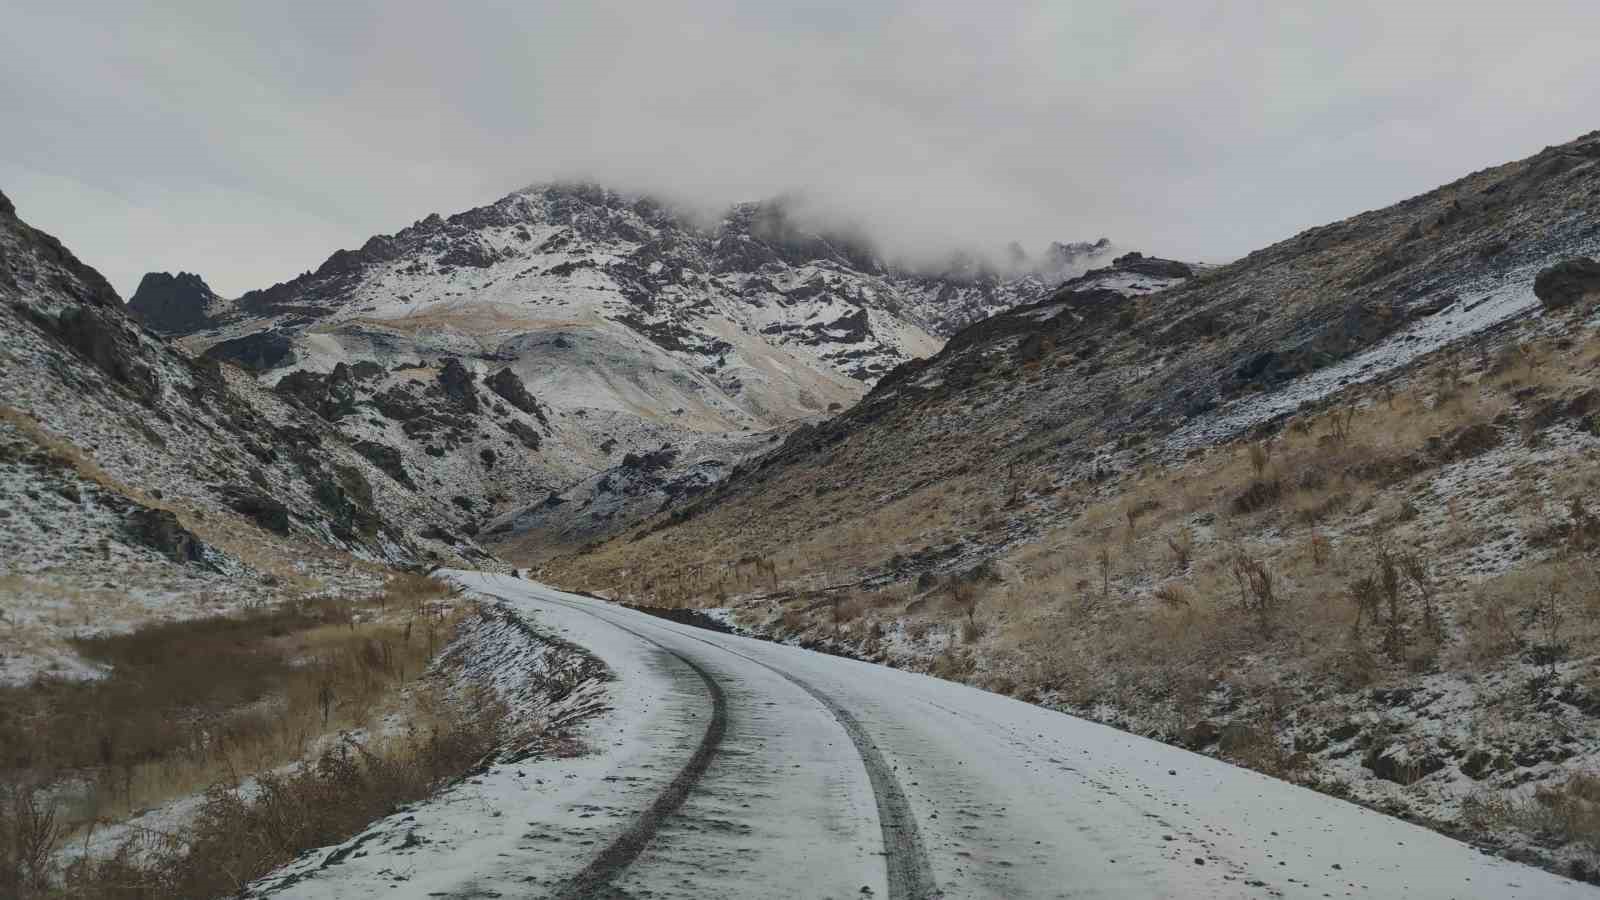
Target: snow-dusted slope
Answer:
pixel 736 768
pixel 137 483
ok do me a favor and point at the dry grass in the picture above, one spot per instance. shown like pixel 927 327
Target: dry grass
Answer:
pixel 192 706
pixel 238 837
pixel 1558 815
pixel 185 703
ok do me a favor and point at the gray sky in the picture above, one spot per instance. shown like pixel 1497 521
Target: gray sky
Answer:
pixel 247 141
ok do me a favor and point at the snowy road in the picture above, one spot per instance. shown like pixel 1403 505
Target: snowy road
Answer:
pixel 736 768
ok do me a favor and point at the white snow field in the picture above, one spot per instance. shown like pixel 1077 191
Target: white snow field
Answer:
pixel 734 768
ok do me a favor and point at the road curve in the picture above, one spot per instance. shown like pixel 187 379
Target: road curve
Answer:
pixel 735 768
pixel 1004 799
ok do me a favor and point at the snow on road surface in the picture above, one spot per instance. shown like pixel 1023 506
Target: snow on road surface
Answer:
pixel 730 767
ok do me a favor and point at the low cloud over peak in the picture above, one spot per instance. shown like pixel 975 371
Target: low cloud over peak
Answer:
pixel 249 142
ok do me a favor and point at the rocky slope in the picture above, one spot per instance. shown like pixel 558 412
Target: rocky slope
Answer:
pixel 1325 511
pixel 629 329
pixel 1095 381
pixel 137 482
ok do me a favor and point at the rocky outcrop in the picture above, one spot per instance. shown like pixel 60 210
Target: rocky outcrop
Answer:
pixel 330 396
pixel 259 352
pixel 102 337
pixel 1153 266
pixel 387 459
pixel 523 432
pixel 1567 282
pixel 457 382
pixel 172 304
pixel 159 529
pixel 35 265
pixel 511 389
pixel 258 508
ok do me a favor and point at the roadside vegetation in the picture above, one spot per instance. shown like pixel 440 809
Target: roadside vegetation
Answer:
pixel 291 725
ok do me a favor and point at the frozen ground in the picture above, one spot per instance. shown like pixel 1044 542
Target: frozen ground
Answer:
pixel 729 767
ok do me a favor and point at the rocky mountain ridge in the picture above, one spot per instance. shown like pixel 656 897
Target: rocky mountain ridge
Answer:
pixel 636 329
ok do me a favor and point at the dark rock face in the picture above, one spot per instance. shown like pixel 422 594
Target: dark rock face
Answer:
pixel 102 338
pixel 159 529
pixel 457 384
pixel 258 508
pixel 256 353
pixel 330 396
pixel 347 497
pixel 396 403
pixel 387 459
pixel 1567 282
pixel 506 383
pixel 651 461
pixel 524 433
pixel 172 304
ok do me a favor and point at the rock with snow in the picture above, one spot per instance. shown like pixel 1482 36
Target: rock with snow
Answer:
pixel 1567 282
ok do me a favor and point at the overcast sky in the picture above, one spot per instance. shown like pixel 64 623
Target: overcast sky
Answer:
pixel 247 141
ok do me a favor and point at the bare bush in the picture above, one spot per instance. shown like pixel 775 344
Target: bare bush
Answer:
pixel 1172 595
pixel 1260 456
pixel 29 835
pixel 1563 814
pixel 1181 546
pixel 1258 591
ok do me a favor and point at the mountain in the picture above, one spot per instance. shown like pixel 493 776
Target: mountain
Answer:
pixel 1130 365
pixel 173 304
pixel 609 327
pixel 137 481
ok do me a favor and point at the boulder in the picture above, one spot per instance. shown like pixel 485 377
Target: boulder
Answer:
pixel 1201 735
pixel 1567 282
pixel 1399 764
pixel 159 529
pixel 524 433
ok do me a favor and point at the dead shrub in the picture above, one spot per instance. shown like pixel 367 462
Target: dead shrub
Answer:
pixel 963 595
pixel 1258 589
pixel 971 631
pixel 1172 595
pixel 1258 495
pixel 1181 546
pixel 1260 456
pixel 1556 815
pixel 29 835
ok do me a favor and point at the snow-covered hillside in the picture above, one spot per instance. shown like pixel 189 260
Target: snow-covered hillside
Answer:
pixel 632 328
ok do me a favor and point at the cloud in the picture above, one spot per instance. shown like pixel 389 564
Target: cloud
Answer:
pixel 248 141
